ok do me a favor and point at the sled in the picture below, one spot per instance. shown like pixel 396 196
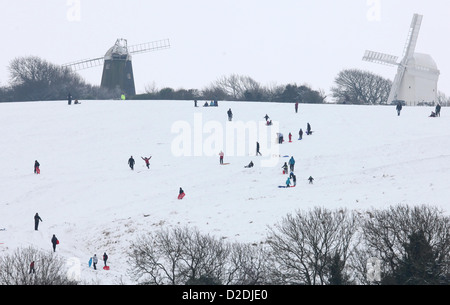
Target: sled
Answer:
pixel 285 187
pixel 181 196
pixel 57 242
pixel 225 164
pixel 90 262
pixel 38 171
pixel 106 268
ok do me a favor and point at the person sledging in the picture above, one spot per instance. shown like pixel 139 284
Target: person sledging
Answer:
pixel 181 194
pixel 36 167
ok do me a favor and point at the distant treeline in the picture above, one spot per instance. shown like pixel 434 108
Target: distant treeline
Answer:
pixel 35 79
pixel 239 88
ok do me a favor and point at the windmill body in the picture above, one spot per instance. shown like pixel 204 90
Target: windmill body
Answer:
pixel 118 69
pixel 117 64
pixel 417 74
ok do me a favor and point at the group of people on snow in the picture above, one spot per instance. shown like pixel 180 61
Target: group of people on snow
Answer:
pixel 437 112
pixel 95 260
pixel 131 162
pixel 434 114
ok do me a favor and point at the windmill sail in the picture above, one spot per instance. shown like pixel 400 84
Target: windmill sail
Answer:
pixel 117 65
pixel 413 36
pixel 380 58
pixel 149 46
pixel 85 64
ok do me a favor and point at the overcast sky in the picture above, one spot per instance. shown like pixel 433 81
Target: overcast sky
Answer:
pixel 274 42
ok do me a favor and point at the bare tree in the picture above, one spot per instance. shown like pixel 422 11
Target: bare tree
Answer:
pixel 386 232
pixel 248 264
pixel 238 87
pixel 178 257
pixel 355 86
pixel 443 99
pixel 185 256
pixel 303 245
pixel 49 269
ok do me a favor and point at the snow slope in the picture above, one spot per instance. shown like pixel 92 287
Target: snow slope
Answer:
pixel 361 157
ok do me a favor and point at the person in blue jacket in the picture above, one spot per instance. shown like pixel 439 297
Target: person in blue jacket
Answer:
pixel 291 163
pixel 288 182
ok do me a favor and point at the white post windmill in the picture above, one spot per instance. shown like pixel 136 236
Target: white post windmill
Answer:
pixel 417 73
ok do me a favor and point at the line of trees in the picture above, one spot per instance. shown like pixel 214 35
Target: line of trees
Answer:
pixel 35 79
pixel 410 245
pixel 239 88
pixel 398 245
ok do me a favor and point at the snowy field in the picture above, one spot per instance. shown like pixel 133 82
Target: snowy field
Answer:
pixel 361 157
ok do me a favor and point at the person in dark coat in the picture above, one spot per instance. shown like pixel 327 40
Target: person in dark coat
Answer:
pixel 37 218
pixel 36 167
pixel 285 168
pixel 54 242
pixel 230 114
pixel 311 179
pixel 296 107
pixel 438 110
pixel 131 162
pixel 399 108
pixel 105 258
pixel 308 129
pixel 294 178
pixel 257 149
pixel 69 99
pixel 300 134
pixel 250 165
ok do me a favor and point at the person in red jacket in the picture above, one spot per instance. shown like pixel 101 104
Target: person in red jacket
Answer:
pixel 147 161
pixel 221 154
pixel 32 268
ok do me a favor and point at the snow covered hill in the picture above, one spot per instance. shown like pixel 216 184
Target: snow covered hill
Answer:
pixel 361 157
